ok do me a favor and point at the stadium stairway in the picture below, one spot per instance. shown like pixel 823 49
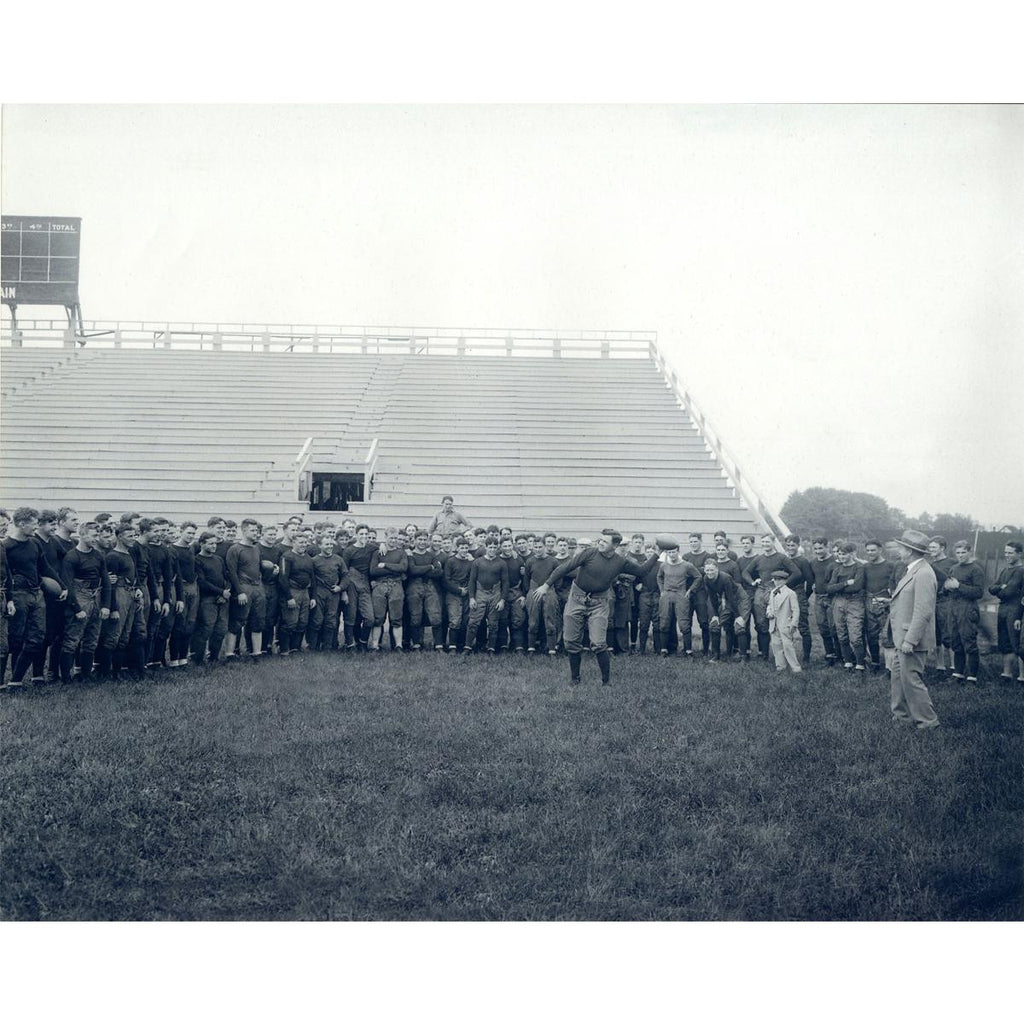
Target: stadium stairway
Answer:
pixel 572 444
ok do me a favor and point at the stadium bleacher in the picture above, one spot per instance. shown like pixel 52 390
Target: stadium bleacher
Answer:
pixel 576 444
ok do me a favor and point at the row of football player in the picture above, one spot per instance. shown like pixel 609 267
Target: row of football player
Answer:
pixel 850 604
pixel 131 589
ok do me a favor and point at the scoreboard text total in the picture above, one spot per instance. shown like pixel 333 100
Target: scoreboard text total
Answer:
pixel 40 260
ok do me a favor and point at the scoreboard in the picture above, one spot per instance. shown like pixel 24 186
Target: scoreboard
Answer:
pixel 39 260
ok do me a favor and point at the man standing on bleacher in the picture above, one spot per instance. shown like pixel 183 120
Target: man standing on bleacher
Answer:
pixel 448 521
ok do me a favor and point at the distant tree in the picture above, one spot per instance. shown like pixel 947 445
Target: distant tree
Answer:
pixel 954 526
pixel 851 514
pixel 925 522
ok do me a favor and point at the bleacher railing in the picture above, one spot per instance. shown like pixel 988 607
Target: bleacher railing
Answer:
pixel 769 520
pixel 369 468
pixel 380 340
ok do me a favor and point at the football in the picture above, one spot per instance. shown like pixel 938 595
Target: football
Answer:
pixel 665 541
pixel 51 586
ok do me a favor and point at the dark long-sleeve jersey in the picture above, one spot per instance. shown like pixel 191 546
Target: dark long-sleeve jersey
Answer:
pixel 516 571
pixel 210 575
pixel 878 577
pixel 456 574
pixel 425 565
pixel 971 578
pixel 745 562
pixel 1009 585
pixel 329 570
pixel 597 571
pixel 297 573
pixel 162 572
pixel 839 584
pixel 54 549
pixel 122 565
pixel 538 569
pixel 270 559
pixel 941 567
pixel 243 566
pixel 489 572
pixel 6 580
pixel 172 561
pixel 698 558
pixel 731 569
pixel 649 580
pixel 562 583
pixel 806 582
pixel 821 569
pixel 721 596
pixel 186 563
pixel 144 569
pixel 88 569
pixel 393 564
pixel 360 558
pixel 28 563
pixel 761 567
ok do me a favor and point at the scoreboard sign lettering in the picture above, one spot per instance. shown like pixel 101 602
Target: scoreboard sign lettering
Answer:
pixel 39 260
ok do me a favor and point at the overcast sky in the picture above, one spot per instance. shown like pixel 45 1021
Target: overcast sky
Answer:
pixel 840 286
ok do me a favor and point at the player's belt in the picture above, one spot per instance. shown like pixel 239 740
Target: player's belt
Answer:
pixel 123 581
pixel 588 593
pixel 251 582
pixel 23 583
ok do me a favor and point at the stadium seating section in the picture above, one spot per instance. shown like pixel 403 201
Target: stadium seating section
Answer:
pixel 574 444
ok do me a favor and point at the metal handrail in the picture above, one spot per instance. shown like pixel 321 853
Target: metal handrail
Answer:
pixel 369 468
pixel 770 520
pixel 331 338
pixel 300 463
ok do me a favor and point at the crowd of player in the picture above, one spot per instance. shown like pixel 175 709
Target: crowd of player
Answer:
pixel 130 594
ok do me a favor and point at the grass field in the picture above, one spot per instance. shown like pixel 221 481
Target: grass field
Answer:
pixel 428 787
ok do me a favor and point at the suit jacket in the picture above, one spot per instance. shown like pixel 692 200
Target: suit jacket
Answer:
pixel 912 612
pixel 783 611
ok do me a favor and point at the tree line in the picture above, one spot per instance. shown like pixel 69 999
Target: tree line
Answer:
pixel 857 516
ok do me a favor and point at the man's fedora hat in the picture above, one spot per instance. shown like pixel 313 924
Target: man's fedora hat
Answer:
pixel 915 540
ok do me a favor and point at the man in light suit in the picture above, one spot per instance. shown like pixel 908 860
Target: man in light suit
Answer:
pixel 783 613
pixel 912 617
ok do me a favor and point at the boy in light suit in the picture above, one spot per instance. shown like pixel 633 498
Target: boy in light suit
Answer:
pixel 783 611
pixel 912 617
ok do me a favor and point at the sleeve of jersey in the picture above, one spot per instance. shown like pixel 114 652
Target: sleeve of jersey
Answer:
pixel 750 574
pixel 231 568
pixel 104 582
pixel 172 558
pixel 68 578
pixel 47 568
pixel 567 566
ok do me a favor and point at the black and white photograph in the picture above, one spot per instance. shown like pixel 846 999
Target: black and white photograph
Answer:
pixel 512 513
